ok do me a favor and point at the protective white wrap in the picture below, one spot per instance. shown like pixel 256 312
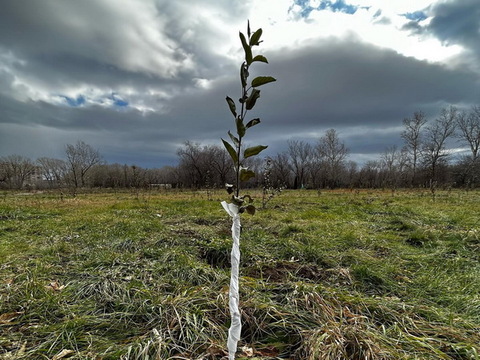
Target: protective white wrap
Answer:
pixel 236 325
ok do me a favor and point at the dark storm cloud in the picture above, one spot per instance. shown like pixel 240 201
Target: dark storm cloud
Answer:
pixel 457 22
pixel 87 30
pixel 140 44
pixel 357 89
pixel 328 84
pixel 361 90
pixel 454 23
pixel 358 83
pixel 413 27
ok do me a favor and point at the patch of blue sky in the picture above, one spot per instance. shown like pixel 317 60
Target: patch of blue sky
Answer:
pixel 80 100
pixel 415 16
pixel 118 101
pixel 334 6
pixel 113 100
pixel 121 103
pixel 341 6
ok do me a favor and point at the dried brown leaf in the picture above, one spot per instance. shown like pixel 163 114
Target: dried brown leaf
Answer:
pixel 8 317
pixel 63 354
pixel 269 351
pixel 215 350
pixel 247 351
pixel 55 286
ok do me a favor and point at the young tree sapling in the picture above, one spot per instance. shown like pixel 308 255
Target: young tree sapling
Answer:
pixel 241 203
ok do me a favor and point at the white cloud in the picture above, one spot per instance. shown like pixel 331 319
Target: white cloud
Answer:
pixel 394 6
pixel 130 36
pixel 290 30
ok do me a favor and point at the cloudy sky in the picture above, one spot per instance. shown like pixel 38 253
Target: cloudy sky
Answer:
pixel 137 78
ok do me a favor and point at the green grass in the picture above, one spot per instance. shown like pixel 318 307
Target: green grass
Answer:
pixel 336 275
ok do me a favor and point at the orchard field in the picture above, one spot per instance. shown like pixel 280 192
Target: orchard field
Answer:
pixel 324 275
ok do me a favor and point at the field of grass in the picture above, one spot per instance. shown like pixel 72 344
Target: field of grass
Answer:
pixel 330 275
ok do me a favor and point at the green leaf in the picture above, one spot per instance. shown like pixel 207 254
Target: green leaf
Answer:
pixel 262 80
pixel 229 188
pixel 231 105
pixel 246 174
pixel 248 29
pixel 252 99
pixel 260 58
pixel 234 139
pixel 254 150
pixel 231 151
pixel 244 74
pixel 247 49
pixel 252 122
pixel 250 209
pixel 255 39
pixel 237 201
pixel 240 127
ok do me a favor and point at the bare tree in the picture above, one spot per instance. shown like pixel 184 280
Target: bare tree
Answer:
pixel 470 130
pixel 202 165
pixel 469 126
pixel 194 165
pixel 16 170
pixel 4 175
pixel 352 173
pixel 106 175
pixel 413 139
pixel 281 172
pixel 315 168
pixel 53 170
pixel 166 175
pixel 300 154
pixel 221 164
pixel 393 163
pixel 368 175
pixel 138 177
pixel 80 159
pixel 334 153
pixel 437 133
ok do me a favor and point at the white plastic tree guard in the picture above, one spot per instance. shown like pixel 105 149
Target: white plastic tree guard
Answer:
pixel 233 296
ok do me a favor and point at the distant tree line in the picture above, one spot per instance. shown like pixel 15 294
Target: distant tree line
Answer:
pixel 82 167
pixel 429 158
